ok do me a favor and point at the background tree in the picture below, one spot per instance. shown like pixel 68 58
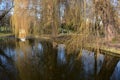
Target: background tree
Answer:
pixel 104 10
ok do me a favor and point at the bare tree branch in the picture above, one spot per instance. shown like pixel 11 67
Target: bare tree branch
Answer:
pixel 5 13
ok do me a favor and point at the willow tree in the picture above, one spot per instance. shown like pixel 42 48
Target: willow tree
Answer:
pixel 76 17
pixel 20 19
pixel 50 16
pixel 35 16
pixel 73 13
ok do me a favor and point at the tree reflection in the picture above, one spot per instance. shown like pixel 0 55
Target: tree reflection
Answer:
pixel 8 71
pixel 36 61
pixel 107 68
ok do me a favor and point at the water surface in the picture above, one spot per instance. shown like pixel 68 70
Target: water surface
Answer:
pixel 38 60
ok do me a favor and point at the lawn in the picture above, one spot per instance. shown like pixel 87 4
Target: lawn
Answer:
pixel 5 34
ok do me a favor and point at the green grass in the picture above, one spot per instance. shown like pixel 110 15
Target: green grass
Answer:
pixel 5 34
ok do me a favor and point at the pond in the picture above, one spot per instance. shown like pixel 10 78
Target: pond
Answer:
pixel 38 60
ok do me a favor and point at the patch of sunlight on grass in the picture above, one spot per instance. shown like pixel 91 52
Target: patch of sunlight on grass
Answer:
pixel 114 50
pixel 105 48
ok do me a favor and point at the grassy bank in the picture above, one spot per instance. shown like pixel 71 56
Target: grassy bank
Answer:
pixel 5 34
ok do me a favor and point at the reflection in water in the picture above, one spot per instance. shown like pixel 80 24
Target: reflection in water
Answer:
pixel 38 60
pixel 88 61
pixel 100 60
pixel 61 58
pixel 3 60
pixel 89 66
pixel 40 48
pixel 107 68
pixel 8 70
pixel 116 73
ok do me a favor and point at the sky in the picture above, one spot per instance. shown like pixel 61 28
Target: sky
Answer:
pixel 2 5
pixel 5 4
